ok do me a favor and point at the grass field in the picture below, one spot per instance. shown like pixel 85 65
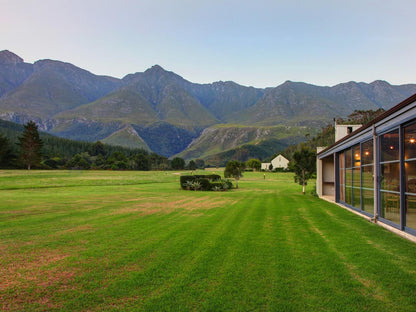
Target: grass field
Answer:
pixel 133 241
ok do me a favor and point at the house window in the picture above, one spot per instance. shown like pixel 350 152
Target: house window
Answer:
pixel 367 176
pixel 390 176
pixel 356 176
pixel 348 176
pixel 341 177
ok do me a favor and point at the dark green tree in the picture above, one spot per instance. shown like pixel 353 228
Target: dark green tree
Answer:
pixel 98 149
pixel 192 165
pixel 254 164
pixel 200 163
pixel 30 145
pixel 158 162
pixel 304 166
pixel 7 157
pixel 99 161
pixel 79 161
pixel 234 169
pixel 177 163
pixel 140 162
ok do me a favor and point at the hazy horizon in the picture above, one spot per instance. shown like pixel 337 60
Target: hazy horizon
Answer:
pixel 261 44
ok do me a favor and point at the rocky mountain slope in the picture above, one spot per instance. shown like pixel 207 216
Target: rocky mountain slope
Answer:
pixel 161 111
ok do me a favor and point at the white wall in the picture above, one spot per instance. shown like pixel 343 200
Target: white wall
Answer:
pixel 343 130
pixel 265 166
pixel 280 162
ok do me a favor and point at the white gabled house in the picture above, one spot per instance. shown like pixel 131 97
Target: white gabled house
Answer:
pixel 278 162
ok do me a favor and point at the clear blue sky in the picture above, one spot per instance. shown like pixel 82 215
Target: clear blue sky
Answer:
pixel 259 43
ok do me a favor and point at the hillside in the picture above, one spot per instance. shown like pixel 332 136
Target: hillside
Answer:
pixel 229 139
pixel 161 111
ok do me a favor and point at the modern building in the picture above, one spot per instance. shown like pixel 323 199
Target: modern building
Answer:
pixel 278 162
pixel 372 170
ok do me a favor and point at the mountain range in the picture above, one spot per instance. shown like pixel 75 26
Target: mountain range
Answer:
pixel 162 112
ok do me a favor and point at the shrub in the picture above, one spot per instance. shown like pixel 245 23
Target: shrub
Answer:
pixel 197 185
pixel 186 181
pixel 188 185
pixel 227 184
pixel 204 182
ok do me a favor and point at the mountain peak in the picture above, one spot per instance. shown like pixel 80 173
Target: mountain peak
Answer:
pixel 7 57
pixel 155 69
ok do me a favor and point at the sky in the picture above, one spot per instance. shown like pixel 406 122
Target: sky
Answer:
pixel 260 43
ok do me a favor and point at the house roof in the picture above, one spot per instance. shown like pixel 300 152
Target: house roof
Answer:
pixel 280 155
pixel 394 109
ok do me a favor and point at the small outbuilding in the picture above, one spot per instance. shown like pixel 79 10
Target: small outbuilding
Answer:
pixel 278 162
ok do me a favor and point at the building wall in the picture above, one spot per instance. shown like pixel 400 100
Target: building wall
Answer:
pixel 328 177
pixel 325 176
pixel 280 162
pixel 342 131
pixel 265 166
pixel 374 170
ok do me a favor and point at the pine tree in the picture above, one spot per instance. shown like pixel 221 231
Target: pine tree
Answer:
pixel 30 145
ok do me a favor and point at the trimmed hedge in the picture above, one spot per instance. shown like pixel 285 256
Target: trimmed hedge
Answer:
pixel 209 182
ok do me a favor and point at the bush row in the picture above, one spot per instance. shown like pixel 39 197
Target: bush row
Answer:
pixel 212 182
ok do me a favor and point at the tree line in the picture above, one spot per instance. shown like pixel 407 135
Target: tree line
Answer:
pixel 26 147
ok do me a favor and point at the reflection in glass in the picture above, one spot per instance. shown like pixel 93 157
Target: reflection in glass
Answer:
pixel 410 171
pixel 367 152
pixel 356 155
pixel 348 180
pixel 342 185
pixel 348 186
pixel 410 142
pixel 357 198
pixel 367 177
pixel 390 174
pixel 348 193
pixel 389 146
pixel 348 158
pixel 341 177
pixel 390 207
pixel 368 201
pixel 356 179
pixel 411 212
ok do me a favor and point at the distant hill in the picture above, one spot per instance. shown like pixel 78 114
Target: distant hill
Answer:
pixel 160 111
pixel 56 146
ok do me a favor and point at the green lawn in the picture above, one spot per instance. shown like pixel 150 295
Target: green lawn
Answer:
pixel 133 241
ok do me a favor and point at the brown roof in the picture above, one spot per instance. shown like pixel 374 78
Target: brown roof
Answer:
pixel 392 110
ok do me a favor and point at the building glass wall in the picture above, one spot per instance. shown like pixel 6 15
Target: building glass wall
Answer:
pixel 367 176
pixel 410 174
pixel 356 176
pixel 348 176
pixel 397 170
pixel 390 176
pixel 341 182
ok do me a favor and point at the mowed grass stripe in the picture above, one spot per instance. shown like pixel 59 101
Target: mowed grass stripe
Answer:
pixel 367 263
pixel 175 248
pixel 203 271
pixel 154 247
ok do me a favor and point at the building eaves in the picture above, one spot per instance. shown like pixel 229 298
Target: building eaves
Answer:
pixel 392 110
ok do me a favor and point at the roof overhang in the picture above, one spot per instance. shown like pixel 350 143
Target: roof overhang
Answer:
pixel 399 114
